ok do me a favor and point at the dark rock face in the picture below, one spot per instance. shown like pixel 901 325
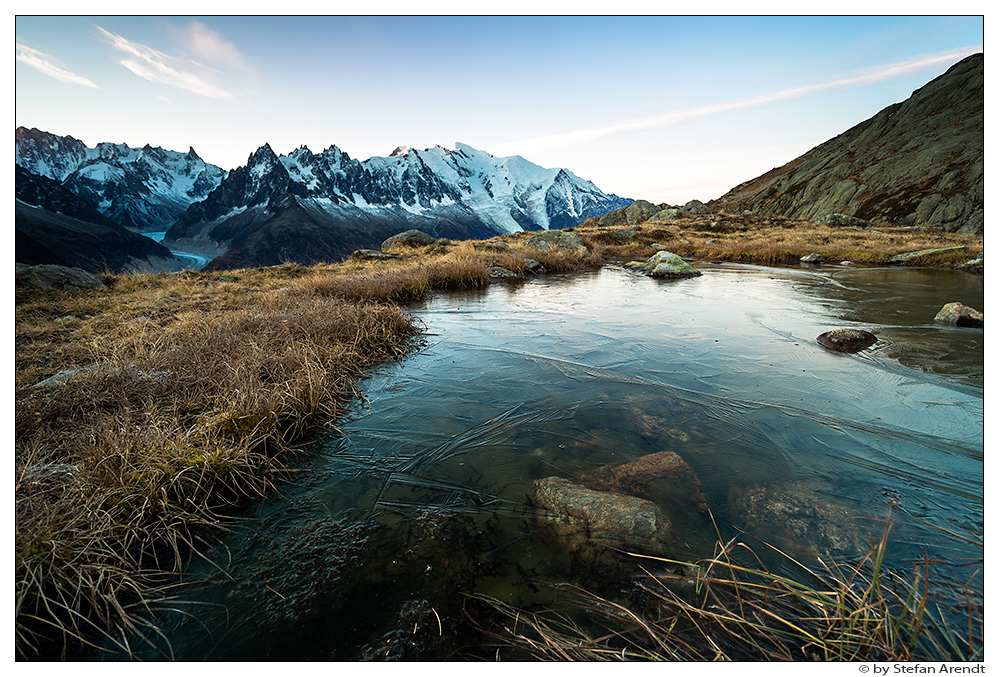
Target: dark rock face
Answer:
pixel 960 315
pixel 575 508
pixel 846 340
pixel 54 226
pixel 916 162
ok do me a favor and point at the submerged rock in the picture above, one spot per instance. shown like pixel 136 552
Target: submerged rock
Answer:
pixel 635 477
pixel 664 264
pixel 796 516
pixel 557 239
pixel 577 509
pixel 960 315
pixel 846 340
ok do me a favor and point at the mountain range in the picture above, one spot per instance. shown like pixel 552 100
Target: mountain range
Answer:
pixel 308 207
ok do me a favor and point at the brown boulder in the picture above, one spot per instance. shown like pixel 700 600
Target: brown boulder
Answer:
pixel 577 509
pixel 635 477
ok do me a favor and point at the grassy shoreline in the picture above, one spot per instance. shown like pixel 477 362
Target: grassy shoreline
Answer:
pixel 193 389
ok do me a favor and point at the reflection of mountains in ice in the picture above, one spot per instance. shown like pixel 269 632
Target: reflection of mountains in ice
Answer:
pixel 189 261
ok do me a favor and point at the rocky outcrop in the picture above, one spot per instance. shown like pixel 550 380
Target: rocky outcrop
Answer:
pixel 664 265
pixel 916 162
pixel 637 212
pixel 574 509
pixel 55 277
pixel 842 220
pixel 846 340
pixel 409 238
pixel 557 239
pixel 960 315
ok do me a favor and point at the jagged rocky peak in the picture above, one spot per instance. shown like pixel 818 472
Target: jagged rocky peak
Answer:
pixel 263 155
pixel 399 150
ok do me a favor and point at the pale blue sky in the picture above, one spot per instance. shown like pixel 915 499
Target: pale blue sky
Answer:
pixel 662 108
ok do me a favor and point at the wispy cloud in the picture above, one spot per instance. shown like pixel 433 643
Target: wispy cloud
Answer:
pixel 689 114
pixel 209 45
pixel 155 66
pixel 48 65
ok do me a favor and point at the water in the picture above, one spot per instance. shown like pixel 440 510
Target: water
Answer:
pixel 423 496
pixel 188 260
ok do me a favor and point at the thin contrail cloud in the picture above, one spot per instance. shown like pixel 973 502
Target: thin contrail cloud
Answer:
pixel 686 115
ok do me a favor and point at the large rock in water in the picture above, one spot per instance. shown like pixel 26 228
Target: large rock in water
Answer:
pixel 846 340
pixel 557 239
pixel 636 477
pixel 960 315
pixel 575 509
pixel 664 264
pixel 921 161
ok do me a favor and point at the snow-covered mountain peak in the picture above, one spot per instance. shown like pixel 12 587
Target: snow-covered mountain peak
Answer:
pixel 144 187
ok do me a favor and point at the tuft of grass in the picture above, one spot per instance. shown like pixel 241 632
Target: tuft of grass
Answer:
pixel 729 611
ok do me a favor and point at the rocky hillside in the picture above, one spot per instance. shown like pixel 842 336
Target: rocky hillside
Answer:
pixel 54 226
pixel 914 163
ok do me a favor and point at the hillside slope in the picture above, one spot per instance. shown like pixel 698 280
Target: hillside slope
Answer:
pixel 916 162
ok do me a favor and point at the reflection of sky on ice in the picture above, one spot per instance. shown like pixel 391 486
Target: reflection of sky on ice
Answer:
pixel 559 376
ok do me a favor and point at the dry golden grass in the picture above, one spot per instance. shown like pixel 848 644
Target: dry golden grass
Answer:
pixel 778 240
